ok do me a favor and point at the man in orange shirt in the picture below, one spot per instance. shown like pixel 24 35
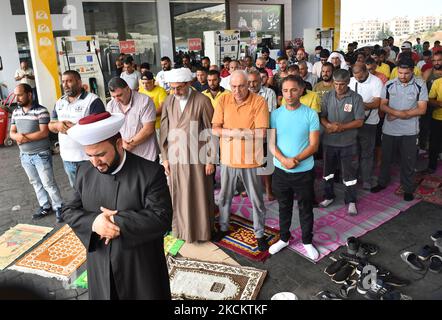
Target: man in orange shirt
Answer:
pixel 240 120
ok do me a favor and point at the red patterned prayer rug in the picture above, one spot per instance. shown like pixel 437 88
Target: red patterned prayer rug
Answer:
pixel 429 188
pixel 241 238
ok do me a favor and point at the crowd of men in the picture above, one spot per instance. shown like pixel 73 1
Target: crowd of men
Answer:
pixel 355 110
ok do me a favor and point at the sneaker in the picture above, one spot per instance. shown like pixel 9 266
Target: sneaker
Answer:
pixel 370 248
pixel 344 273
pixel 325 203
pixel 41 213
pixel 58 215
pixel 351 258
pixel 360 287
pixel 347 287
pixel 312 252
pixel 333 268
pixel 352 210
pixel 408 196
pixel 262 244
pixel 436 235
pixel 352 245
pixel 377 290
pixel 438 244
pixel 377 189
pixel 327 295
pixel 392 280
pixel 427 251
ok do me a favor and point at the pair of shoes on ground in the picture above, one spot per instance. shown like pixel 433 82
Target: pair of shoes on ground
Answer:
pixel 44 212
pixel 310 249
pixel 340 271
pixel 378 188
pixel 360 249
pixel 352 209
pixel 416 263
pixel 367 271
pixel 379 290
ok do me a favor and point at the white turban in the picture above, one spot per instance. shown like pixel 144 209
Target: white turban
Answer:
pixel 96 128
pixel 178 75
pixel 341 57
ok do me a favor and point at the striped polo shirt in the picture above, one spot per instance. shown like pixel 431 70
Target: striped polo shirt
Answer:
pixel 29 122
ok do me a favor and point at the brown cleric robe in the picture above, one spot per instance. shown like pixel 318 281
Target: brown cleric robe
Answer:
pixel 133 265
pixel 190 188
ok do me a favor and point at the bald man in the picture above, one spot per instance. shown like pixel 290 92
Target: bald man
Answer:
pixel 241 120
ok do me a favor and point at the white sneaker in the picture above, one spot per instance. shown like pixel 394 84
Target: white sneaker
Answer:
pixel 312 252
pixel 352 210
pixel 326 202
pixel 276 247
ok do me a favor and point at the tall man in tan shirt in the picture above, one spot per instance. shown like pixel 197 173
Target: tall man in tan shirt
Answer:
pixel 240 120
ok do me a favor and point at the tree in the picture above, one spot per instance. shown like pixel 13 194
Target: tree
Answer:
pixel 384 33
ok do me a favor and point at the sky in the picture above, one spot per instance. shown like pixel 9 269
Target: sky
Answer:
pixel 356 10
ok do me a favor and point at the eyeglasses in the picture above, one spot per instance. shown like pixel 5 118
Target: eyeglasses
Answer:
pixel 181 87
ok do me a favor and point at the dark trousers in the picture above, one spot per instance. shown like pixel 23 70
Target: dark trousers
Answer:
pixel 345 158
pixel 425 128
pixel 435 142
pixel 284 186
pixel 366 143
pixel 406 146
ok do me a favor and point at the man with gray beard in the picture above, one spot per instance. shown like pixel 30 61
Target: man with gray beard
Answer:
pixel 186 114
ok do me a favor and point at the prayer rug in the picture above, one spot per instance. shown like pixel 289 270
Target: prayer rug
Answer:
pixel 429 188
pixel 19 239
pixel 57 257
pixel 172 245
pixel 332 225
pixel 200 280
pixel 241 238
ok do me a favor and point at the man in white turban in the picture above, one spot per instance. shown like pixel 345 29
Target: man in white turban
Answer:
pixel 337 60
pixel 120 211
pixel 186 114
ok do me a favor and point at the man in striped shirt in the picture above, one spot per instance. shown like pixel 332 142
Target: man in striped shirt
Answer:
pixel 29 127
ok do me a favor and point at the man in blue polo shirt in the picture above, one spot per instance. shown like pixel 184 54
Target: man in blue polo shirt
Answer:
pixel 293 159
pixel 29 127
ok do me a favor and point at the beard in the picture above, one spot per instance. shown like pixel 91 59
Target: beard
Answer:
pixel 114 164
pixel 437 66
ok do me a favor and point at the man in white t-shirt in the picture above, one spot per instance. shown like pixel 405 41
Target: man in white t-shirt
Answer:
pixel 25 75
pixel 160 79
pixel 76 103
pixel 130 75
pixel 370 88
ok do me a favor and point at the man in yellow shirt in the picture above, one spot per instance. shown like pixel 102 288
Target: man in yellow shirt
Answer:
pixel 379 56
pixel 310 99
pixel 215 91
pixel 156 93
pixel 435 102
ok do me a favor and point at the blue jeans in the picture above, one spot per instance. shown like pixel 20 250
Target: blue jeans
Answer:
pixel 38 167
pixel 70 168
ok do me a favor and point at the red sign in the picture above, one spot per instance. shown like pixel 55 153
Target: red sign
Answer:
pixel 194 44
pixel 127 47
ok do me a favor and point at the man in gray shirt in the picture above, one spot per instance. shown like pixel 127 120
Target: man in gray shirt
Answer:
pixel 403 99
pixel 342 113
pixel 29 127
